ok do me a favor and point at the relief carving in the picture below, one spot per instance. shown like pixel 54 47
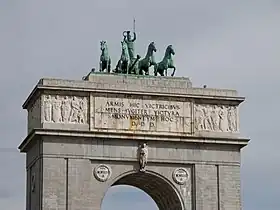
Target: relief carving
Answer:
pixel 180 176
pixel 215 118
pixel 102 172
pixel 65 109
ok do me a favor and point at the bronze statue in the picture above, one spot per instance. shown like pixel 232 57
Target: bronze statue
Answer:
pixel 131 64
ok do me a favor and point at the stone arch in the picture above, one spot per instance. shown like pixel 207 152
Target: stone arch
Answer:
pixel 160 189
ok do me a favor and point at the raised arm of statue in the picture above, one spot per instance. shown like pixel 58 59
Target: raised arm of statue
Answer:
pixel 134 37
pixel 125 36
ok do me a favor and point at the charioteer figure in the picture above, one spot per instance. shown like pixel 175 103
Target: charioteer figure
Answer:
pixel 129 63
pixel 130 43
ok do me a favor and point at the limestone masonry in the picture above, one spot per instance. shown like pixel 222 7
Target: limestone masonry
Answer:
pixel 178 143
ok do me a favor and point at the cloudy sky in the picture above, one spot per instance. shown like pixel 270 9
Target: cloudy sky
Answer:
pixel 221 43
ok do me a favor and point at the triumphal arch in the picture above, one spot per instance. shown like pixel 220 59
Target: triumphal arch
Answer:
pixel 178 143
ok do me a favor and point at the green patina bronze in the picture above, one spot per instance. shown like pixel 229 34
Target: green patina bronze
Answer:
pixel 122 65
pixel 105 60
pixel 148 60
pixel 133 61
pixel 166 63
pixel 127 38
pixel 131 64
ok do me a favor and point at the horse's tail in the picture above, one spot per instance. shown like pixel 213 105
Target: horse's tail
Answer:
pixel 134 63
pixel 155 69
pixel 174 69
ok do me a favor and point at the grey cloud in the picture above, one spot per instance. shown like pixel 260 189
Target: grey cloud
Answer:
pixel 5 193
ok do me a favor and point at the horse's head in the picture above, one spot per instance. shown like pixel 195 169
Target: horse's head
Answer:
pixel 103 45
pixel 152 47
pixel 170 49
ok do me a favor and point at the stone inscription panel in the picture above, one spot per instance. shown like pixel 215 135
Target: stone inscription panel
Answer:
pixel 65 109
pixel 215 118
pixel 142 115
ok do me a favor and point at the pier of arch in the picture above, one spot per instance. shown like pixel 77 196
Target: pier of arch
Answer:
pixel 86 136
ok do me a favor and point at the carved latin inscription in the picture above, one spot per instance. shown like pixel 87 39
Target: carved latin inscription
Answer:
pixel 215 118
pixel 142 115
pixel 65 109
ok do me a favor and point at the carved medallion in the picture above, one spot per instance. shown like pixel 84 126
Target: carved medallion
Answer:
pixel 180 175
pixel 102 172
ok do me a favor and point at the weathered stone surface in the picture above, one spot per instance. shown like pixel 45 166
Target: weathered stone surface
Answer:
pixel 159 106
pixel 74 126
pixel 142 115
pixel 206 187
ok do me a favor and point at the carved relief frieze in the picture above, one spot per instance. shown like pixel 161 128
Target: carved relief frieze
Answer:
pixel 65 109
pixel 215 118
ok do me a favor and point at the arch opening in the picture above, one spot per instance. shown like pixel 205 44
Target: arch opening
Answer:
pixel 160 190
pixel 126 197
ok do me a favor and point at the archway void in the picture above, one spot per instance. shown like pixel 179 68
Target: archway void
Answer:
pixel 155 187
pixel 125 197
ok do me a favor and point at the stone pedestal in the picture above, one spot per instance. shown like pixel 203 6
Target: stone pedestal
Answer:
pixel 85 136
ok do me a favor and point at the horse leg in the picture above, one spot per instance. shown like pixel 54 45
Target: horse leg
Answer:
pixel 106 66
pixel 160 71
pixel 100 66
pixel 117 67
pixel 174 69
pixel 155 70
pixel 109 66
pixel 141 70
pixel 126 67
pixel 147 71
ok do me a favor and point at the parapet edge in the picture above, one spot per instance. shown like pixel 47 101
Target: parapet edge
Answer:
pixel 109 86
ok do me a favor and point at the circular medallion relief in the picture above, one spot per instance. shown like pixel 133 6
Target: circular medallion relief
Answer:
pixel 102 172
pixel 180 175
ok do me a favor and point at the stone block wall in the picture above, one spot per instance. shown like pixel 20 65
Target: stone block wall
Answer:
pixel 74 126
